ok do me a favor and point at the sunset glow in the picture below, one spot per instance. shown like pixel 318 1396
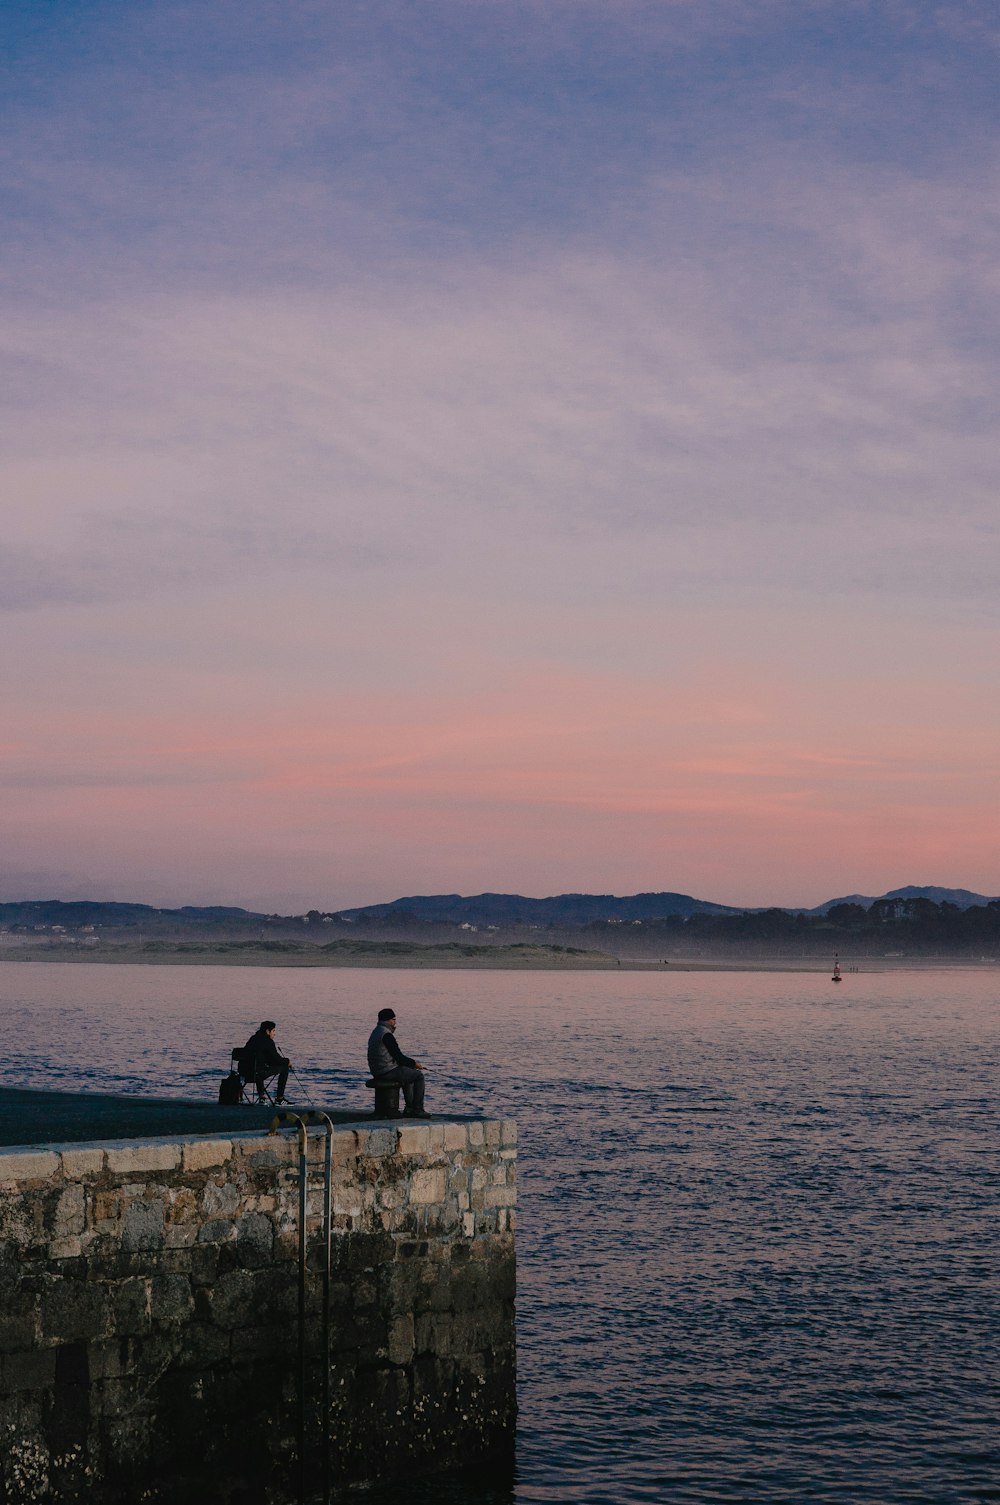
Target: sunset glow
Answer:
pixel 515 447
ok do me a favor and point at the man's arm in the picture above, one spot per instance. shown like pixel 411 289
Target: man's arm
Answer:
pixel 271 1054
pixel 389 1041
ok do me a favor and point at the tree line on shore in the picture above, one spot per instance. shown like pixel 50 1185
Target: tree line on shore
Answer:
pixel 909 926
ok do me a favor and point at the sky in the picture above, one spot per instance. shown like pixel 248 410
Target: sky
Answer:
pixel 517 445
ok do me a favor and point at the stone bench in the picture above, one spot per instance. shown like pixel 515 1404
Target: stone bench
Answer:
pixel 386 1098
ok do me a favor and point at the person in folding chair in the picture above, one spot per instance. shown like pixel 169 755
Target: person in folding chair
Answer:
pixel 263 1061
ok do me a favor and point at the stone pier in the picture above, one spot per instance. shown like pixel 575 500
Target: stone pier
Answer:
pixel 149 1297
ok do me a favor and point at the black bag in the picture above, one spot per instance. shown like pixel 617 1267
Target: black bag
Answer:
pixel 230 1090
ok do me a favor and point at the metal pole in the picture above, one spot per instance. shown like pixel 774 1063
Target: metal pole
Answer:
pixel 327 1123
pixel 327 1262
pixel 303 1210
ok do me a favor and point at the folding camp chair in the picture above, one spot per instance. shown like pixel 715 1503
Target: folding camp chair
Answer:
pixel 251 1090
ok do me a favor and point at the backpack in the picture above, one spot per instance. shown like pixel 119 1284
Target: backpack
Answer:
pixel 230 1090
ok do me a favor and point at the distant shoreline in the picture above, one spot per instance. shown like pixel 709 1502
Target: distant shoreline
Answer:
pixel 513 958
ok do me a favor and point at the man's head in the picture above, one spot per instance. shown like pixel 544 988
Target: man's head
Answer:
pixel 268 1026
pixel 387 1017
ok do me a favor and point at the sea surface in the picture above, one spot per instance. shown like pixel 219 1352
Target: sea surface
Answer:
pixel 759 1213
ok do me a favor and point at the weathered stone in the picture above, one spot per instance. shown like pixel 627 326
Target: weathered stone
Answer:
pixel 18 1321
pixel 17 1166
pixel 28 1371
pixel 257 1339
pixel 82 1162
pixel 143 1226
pixel 69 1212
pixel 204 1153
pixel 108 1359
pixel 413 1139
pixel 216 1230
pixel 499 1196
pixel 204 1263
pixel 182 1204
pixel 380 1142
pixel 399 1346
pixel 65 1248
pixel 175 1261
pixel 428 1185
pixel 220 1199
pixel 170 1299
pixel 273 1155
pixel 255 1239
pixel 129 1158
pixel 200 1344
pixel 75 1310
pixel 130 1307
pixel 231 1299
pixel 181 1236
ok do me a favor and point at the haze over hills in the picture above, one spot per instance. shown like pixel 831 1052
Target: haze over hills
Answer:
pixel 512 929
pixel 962 898
pixel 500 911
pixel 516 909
pixel 584 909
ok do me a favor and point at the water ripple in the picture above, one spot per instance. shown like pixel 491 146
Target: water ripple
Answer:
pixel 757 1236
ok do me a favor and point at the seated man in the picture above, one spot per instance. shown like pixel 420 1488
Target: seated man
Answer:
pixel 387 1063
pixel 262 1060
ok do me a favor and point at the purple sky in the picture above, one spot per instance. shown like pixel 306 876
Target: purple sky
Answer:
pixel 514 446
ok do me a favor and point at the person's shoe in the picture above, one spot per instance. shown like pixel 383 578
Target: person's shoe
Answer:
pixel 416 1113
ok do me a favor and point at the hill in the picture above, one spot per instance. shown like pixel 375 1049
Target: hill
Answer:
pixel 962 898
pixel 516 909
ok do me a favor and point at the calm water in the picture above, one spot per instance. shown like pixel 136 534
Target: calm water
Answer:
pixel 758 1214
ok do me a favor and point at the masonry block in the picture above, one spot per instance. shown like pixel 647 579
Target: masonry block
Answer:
pixel 143 1226
pixel 413 1139
pixel 17 1166
pixel 83 1162
pixel 133 1159
pixel 203 1154
pixel 427 1186
pixel 74 1311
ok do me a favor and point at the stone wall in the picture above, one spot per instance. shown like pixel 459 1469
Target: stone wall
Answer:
pixel 149 1299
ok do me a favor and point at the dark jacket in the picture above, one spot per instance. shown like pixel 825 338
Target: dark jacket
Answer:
pixel 384 1055
pixel 261 1057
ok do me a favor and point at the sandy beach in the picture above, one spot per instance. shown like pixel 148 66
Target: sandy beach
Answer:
pixel 453 956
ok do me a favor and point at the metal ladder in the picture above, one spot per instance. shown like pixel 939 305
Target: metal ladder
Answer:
pixel 301 1122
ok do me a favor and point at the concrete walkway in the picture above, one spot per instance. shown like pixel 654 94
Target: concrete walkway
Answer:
pixel 28 1117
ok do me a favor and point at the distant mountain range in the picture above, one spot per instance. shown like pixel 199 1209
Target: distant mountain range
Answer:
pixel 584 909
pixel 502 911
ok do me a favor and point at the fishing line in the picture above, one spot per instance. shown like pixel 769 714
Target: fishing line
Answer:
pixel 305 1087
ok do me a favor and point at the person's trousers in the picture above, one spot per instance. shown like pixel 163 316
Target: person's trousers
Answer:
pixel 412 1082
pixel 279 1091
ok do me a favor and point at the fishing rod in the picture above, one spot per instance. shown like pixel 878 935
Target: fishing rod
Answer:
pixel 307 1090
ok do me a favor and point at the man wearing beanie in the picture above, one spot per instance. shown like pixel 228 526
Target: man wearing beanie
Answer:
pixel 387 1064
